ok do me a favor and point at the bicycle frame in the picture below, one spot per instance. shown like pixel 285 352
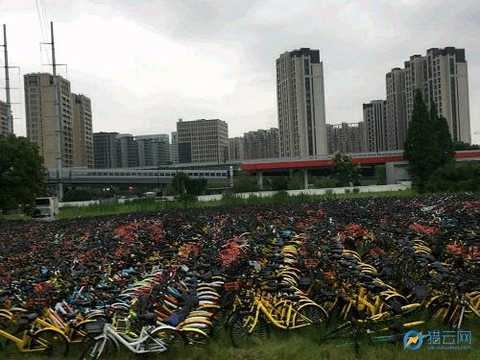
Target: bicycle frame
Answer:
pixel 135 345
pixel 24 344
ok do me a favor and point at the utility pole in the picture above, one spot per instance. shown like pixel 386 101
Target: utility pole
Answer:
pixel 7 81
pixel 59 131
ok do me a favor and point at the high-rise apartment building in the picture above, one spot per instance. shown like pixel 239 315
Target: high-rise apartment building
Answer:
pixel 346 138
pixel 153 150
pixel 301 103
pixel 174 148
pixel 105 150
pixel 396 122
pixel 442 78
pixel 374 119
pixel 415 79
pixel 41 111
pixel 5 116
pixel 236 148
pixel 83 155
pixel 261 144
pixel 202 141
pixel 447 88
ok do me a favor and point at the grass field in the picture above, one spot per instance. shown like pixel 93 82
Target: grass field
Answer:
pixel 288 346
pixel 151 205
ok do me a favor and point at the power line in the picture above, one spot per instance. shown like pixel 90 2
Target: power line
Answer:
pixel 44 55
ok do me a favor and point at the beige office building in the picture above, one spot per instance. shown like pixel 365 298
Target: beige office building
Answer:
pixel 301 104
pixel 41 115
pixel 202 141
pixel 83 155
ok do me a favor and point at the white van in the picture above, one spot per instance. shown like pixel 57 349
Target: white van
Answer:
pixel 46 208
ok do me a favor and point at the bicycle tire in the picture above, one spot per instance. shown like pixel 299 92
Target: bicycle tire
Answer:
pixel 194 336
pixel 312 314
pixel 241 337
pixel 92 352
pixel 57 342
pixel 173 339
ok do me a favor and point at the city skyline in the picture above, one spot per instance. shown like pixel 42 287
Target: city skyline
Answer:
pixel 237 84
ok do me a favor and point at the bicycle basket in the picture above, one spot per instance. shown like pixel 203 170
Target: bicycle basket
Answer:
pixel 94 327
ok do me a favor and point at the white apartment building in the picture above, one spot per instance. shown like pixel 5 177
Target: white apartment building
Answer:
pixel 301 104
pixel 375 119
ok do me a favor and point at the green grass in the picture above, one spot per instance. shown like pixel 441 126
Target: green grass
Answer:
pixel 151 205
pixel 287 346
pixel 19 216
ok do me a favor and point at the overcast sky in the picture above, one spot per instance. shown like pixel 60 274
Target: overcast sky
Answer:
pixel 146 63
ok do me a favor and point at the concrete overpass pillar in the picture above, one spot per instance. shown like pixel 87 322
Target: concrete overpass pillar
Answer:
pixel 260 180
pixel 305 178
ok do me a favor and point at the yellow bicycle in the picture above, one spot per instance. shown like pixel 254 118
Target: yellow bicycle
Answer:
pixel 30 333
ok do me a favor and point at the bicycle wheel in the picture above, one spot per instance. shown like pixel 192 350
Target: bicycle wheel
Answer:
pixel 57 343
pixel 99 348
pixel 310 314
pixel 342 332
pixel 172 339
pixel 194 336
pixel 240 335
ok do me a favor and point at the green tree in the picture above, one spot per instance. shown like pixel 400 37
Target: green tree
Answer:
pixel 442 137
pixel 346 172
pixel 421 148
pixel 182 184
pixel 196 186
pixel 429 145
pixel 244 183
pixel 179 183
pixel 22 176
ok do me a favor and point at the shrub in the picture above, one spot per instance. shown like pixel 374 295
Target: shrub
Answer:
pixel 279 183
pixel 324 182
pixel 295 182
pixel 244 183
pixel 451 178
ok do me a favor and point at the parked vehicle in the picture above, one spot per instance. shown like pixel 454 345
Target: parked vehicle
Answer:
pixel 46 208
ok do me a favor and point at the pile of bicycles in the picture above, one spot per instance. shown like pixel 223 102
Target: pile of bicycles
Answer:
pixel 352 270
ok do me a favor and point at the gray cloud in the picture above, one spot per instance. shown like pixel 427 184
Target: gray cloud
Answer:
pixel 359 42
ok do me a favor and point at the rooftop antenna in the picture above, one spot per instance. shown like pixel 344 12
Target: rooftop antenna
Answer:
pixel 7 81
pixel 58 112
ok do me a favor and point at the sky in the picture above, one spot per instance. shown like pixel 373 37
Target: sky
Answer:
pixel 147 63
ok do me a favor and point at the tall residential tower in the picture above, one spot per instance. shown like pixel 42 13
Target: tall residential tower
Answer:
pixel 83 155
pixel 375 127
pixel 301 104
pixel 442 78
pixel 41 115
